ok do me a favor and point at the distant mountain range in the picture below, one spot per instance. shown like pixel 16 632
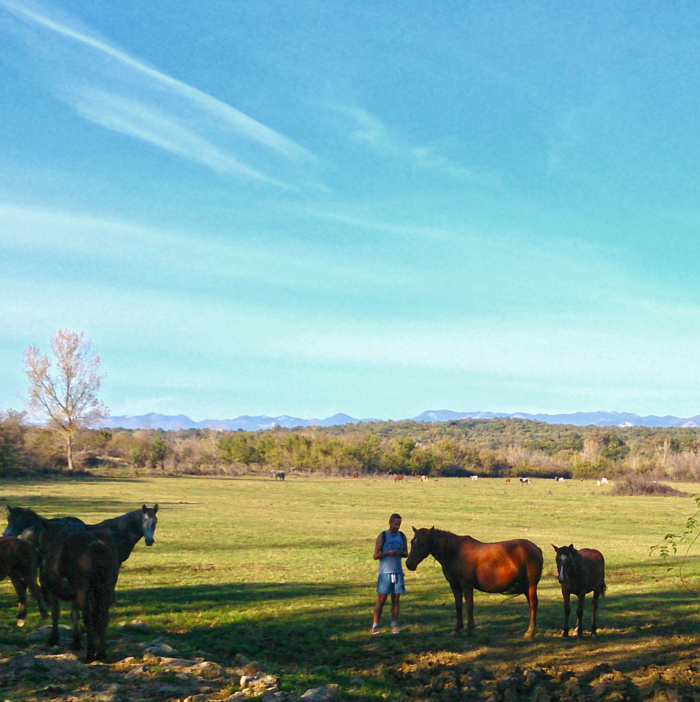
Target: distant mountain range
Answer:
pixel 247 423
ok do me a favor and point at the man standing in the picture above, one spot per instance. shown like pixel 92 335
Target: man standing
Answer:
pixel 389 549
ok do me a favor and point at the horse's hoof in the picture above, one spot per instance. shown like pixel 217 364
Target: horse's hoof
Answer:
pixel 529 634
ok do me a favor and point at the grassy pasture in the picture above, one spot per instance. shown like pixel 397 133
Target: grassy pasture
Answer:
pixel 283 572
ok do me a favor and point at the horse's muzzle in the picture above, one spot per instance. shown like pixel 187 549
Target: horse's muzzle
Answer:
pixel 149 542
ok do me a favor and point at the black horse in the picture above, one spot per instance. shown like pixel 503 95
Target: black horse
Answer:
pixel 79 563
pixel 125 531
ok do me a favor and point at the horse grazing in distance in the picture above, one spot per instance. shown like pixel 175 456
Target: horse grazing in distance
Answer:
pixel 278 475
pixel 398 477
pixel 580 572
pixel 81 568
pixel 18 563
pixel 508 567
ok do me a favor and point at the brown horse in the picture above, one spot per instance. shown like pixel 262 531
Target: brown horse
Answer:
pixel 508 567
pixel 580 572
pixel 18 563
pixel 82 569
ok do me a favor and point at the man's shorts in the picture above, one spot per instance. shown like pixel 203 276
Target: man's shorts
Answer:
pixel 390 584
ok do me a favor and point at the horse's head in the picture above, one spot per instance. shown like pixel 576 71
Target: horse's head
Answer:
pixel 19 519
pixel 568 563
pixel 421 543
pixel 148 523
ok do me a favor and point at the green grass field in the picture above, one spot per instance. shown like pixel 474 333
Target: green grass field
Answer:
pixel 283 572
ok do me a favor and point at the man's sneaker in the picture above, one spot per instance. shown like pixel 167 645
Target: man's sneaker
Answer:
pixel 395 629
pixel 375 629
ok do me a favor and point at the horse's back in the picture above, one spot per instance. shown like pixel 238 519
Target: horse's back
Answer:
pixel 595 568
pixel 502 566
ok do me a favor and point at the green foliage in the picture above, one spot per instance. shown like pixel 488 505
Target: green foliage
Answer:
pixel 685 538
pixel 498 447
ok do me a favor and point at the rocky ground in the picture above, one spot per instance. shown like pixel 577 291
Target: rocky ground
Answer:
pixel 157 673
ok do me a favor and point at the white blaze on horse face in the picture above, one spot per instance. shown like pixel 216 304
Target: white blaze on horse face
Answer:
pixel 562 578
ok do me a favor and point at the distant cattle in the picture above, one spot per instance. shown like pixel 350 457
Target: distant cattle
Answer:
pixel 559 480
pixel 604 481
pixel 398 477
pixel 278 475
pixel 525 481
pixel 474 477
pixel 425 478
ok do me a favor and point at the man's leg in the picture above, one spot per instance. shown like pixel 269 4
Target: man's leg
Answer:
pixel 381 599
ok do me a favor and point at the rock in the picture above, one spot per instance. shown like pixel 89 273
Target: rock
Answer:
pixel 133 625
pixel 162 649
pixel 206 669
pixel 138 672
pixel 322 694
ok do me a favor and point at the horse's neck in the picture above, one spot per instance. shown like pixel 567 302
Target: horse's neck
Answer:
pixel 445 546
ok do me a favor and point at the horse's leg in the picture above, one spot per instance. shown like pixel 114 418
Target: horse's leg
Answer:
pixel 594 611
pixel 469 601
pixel 86 604
pixel 55 614
pixel 21 590
pixel 101 615
pixel 532 600
pixel 567 611
pixel 457 592
pixel 38 597
pixel 75 617
pixel 579 613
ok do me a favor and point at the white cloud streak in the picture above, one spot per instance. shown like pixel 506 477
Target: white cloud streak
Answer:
pixel 370 130
pixel 124 94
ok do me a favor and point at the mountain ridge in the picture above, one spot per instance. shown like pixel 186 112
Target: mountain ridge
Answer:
pixel 601 418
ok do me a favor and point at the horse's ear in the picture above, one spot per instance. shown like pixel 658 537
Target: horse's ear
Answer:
pixel 432 528
pixel 555 548
pixel 9 509
pixel 155 508
pixel 571 546
pixel 415 531
pixel 144 509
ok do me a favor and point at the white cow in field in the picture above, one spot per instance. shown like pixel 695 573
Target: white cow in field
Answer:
pixel 425 478
pixel 559 480
pixel 524 481
pixel 474 477
pixel 604 481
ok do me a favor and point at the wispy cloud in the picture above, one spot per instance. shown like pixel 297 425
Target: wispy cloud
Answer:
pixel 370 130
pixel 109 87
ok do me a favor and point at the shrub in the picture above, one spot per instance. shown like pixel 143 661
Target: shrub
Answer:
pixel 635 484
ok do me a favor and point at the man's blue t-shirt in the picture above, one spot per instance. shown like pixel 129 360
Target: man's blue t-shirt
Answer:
pixel 392 564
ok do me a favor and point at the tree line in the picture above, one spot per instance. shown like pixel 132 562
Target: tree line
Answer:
pixel 488 448
pixel 63 394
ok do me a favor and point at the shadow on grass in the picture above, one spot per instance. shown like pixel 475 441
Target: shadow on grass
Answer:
pixel 305 625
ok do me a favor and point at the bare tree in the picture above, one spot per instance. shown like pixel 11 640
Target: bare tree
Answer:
pixel 65 395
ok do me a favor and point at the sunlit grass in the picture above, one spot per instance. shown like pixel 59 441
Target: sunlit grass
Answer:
pixel 283 571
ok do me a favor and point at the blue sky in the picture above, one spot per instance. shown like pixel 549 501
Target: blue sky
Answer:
pixel 374 208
